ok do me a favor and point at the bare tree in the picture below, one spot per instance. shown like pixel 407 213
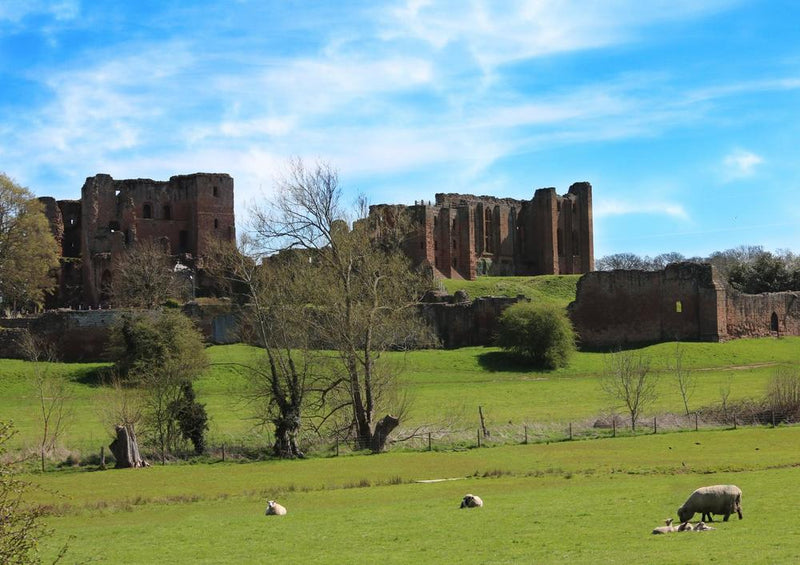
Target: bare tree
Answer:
pixel 628 380
pixel 684 378
pixel 145 276
pixel 277 294
pixel 52 394
pixel 365 291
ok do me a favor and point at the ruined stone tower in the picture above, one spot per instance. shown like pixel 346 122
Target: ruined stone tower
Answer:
pixel 184 213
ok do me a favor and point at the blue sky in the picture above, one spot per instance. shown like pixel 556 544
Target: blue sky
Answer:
pixel 682 114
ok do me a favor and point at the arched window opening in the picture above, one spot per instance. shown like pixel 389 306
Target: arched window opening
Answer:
pixel 773 322
pixel 216 191
pixel 216 223
pixel 167 212
pixel 678 306
pixel 147 211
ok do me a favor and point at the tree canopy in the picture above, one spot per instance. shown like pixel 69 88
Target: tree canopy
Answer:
pixel 28 251
pixel 540 334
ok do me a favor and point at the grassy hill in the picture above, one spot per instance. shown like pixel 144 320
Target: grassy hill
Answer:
pixel 553 289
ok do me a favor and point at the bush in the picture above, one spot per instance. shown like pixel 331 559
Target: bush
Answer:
pixel 539 334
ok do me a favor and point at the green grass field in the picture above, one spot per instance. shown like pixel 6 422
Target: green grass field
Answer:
pixel 578 502
pixel 445 387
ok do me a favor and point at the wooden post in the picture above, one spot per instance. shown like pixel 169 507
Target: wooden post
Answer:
pixel 337 447
pixel 655 425
pixel 614 426
pixel 526 435
pixel 223 452
pixel 483 422
pixel 102 456
pixel 773 417
pixel 429 441
pixel 695 421
pixel 479 438
pixel 570 431
pixel 734 420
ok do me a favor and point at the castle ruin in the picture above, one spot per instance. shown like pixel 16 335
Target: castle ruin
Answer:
pixel 184 214
pixel 461 235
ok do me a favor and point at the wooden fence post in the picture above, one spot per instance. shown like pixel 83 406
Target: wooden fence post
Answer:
pixel 614 426
pixel 570 431
pixel 429 441
pixel 695 421
pixel 223 452
pixel 655 425
pixel 479 438
pixel 526 435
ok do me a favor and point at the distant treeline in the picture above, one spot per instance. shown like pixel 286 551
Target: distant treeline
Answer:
pixel 748 268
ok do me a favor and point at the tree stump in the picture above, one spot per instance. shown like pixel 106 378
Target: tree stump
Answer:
pixel 126 449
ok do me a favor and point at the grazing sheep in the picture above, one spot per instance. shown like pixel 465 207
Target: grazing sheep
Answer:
pixel 275 509
pixel 717 499
pixel 471 501
pixel 665 529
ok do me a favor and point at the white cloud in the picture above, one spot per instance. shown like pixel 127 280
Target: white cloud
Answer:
pixel 610 207
pixel 739 164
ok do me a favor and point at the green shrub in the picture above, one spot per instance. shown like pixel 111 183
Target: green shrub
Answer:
pixel 541 335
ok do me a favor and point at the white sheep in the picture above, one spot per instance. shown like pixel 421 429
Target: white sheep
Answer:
pixel 668 528
pixel 702 527
pixel 275 509
pixel 471 501
pixel 717 499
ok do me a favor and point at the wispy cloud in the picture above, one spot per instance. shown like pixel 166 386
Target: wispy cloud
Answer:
pixel 739 164
pixel 611 207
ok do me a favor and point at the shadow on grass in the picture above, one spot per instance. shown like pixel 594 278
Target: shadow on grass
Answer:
pixel 508 362
pixel 95 376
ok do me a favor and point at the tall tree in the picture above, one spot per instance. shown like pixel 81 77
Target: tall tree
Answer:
pixel 365 290
pixel 28 251
pixel 276 316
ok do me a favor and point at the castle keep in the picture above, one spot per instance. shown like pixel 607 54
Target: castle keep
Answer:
pixel 184 214
pixel 462 236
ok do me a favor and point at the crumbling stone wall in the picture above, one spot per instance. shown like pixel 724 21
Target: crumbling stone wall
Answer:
pixel 685 301
pixel 462 235
pixel 760 315
pixel 460 322
pixel 619 308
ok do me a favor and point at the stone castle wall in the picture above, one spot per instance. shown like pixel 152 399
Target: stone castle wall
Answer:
pixel 685 302
pixel 463 235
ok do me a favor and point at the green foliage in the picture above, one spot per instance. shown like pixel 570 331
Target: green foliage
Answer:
pixel 191 416
pixel 765 273
pixel 28 250
pixel 165 341
pixel 542 335
pixel 20 525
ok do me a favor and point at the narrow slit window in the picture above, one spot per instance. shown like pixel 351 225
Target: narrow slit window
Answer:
pixel 678 306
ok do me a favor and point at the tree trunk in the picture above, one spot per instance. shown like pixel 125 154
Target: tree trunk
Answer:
pixel 286 430
pixel 382 431
pixel 126 449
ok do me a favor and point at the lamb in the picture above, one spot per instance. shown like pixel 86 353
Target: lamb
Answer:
pixel 717 499
pixel 471 501
pixel 702 527
pixel 668 528
pixel 275 509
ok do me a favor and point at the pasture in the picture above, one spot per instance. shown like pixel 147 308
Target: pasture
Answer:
pixel 445 387
pixel 579 502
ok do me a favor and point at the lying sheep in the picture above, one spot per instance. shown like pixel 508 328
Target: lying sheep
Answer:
pixel 717 499
pixel 471 501
pixel 668 528
pixel 702 527
pixel 275 509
